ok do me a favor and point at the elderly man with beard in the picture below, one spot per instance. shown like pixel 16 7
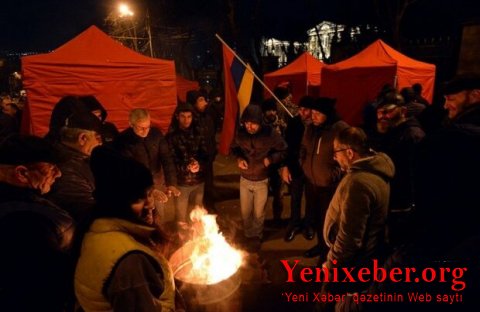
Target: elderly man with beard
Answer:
pixel 398 137
pixel 35 234
pixel 121 265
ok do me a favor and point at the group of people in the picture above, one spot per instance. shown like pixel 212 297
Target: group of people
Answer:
pixel 81 209
pixel 390 191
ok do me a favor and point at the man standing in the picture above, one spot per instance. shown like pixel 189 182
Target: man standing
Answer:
pixel 35 235
pixel 206 124
pixel 448 162
pixel 356 217
pixel 398 137
pixel 292 172
pixel 321 172
pixel 256 147
pixel 147 145
pixel 190 155
pixel 73 191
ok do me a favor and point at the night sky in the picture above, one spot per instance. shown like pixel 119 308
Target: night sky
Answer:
pixel 42 25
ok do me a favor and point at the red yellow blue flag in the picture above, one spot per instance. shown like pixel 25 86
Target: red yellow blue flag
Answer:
pixel 238 91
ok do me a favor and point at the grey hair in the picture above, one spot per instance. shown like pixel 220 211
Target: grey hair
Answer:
pixel 138 114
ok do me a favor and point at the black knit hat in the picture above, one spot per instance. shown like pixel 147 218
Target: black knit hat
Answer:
pixel 18 149
pixel 118 180
pixel 84 120
pixel 462 82
pixel 325 106
pixel 193 95
pixel 281 92
pixel 184 107
pixel 269 104
pixel 392 98
pixel 307 102
pixel 252 113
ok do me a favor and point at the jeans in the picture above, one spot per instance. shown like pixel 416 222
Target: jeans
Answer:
pixel 253 199
pixel 190 197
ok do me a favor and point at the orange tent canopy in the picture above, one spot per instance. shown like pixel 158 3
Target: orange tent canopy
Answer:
pixel 356 81
pixel 184 85
pixel 303 76
pixel 94 64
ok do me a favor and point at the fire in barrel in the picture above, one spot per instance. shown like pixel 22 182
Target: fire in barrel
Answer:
pixel 206 266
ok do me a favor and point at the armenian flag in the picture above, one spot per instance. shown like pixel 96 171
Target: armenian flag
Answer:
pixel 238 91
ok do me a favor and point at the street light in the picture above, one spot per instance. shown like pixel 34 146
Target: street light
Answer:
pixel 125 12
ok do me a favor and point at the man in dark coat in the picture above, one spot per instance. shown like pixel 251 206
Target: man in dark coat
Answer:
pixel 256 146
pixel 190 156
pixel 147 145
pixel 448 162
pixel 322 173
pixel 206 124
pixel 73 191
pixel 35 234
pixel 292 172
pixel 398 136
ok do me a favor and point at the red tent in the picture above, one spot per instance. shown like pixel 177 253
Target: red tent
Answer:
pixel 94 64
pixel 303 76
pixel 356 81
pixel 184 85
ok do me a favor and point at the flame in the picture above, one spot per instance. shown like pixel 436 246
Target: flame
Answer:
pixel 213 259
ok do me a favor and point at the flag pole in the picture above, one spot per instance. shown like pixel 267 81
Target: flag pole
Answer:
pixel 255 75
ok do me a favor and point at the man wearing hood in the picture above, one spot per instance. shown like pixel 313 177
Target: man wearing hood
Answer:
pixel 355 223
pixel 256 146
pixel 108 130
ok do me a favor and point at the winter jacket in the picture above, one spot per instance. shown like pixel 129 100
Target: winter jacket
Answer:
pixel 400 144
pixel 152 151
pixel 355 221
pixel 118 271
pixel 206 125
pixel 73 191
pixel 316 154
pixel 448 162
pixel 35 239
pixel 293 133
pixel 255 147
pixel 186 145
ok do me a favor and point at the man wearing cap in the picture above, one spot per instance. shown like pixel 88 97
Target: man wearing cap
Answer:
pixel 398 136
pixel 292 172
pixel 35 234
pixel 73 190
pixel 189 151
pixel 256 146
pixel 321 171
pixel 448 163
